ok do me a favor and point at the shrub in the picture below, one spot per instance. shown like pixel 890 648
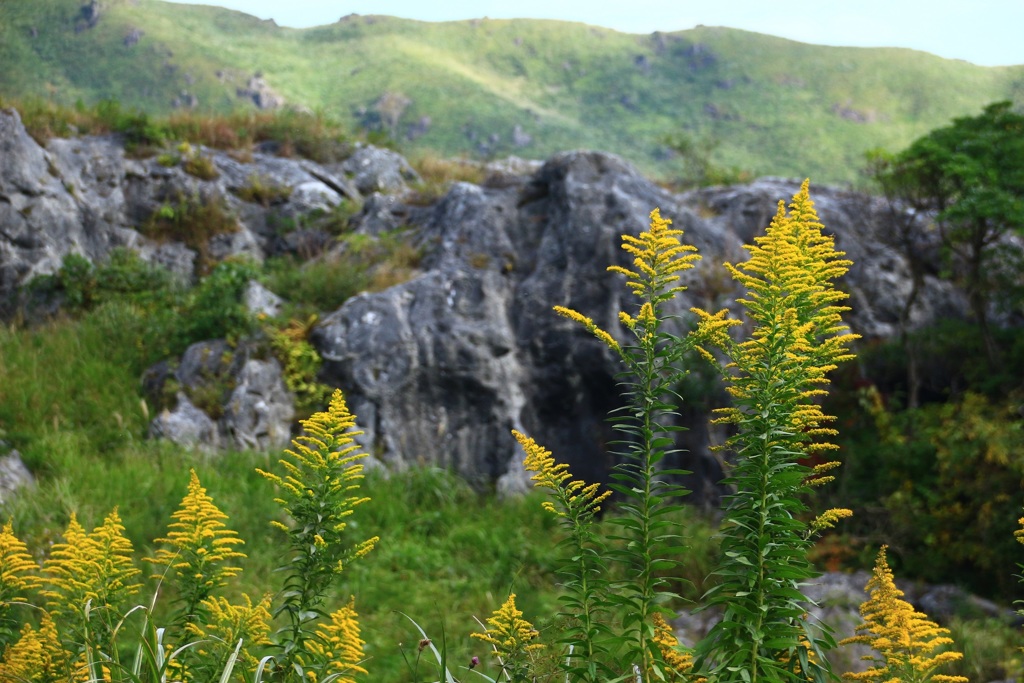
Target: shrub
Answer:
pixel 214 308
pixel 264 191
pixel 935 471
pixel 192 220
pixel 124 276
pixel 200 166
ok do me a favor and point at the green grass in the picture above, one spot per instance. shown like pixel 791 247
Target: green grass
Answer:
pixel 69 402
pixel 777 106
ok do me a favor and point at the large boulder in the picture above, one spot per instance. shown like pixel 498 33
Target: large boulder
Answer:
pixel 85 196
pixel 217 396
pixel 441 368
pixel 14 474
pixel 374 169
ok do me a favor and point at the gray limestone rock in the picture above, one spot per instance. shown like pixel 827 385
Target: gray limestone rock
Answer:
pixel 374 169
pixel 245 403
pixel 440 368
pixel 83 196
pixel 259 414
pixel 14 475
pixel 186 426
pixel 260 300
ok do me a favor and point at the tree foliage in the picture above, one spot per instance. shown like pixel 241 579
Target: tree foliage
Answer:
pixel 971 175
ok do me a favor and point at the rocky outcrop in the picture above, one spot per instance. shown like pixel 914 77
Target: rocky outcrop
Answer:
pixel 379 170
pixel 85 196
pixel 14 475
pixel 259 92
pixel 441 368
pixel 217 396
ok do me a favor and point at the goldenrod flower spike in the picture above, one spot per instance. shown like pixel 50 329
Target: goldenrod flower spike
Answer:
pixel 323 464
pixel 318 492
pixel 904 639
pixel 18 571
pixel 828 519
pixel 577 498
pixel 508 632
pixel 200 543
pixel 36 656
pixel 679 663
pixel 226 624
pixel 658 258
pixel 340 644
pixel 791 299
pixel 91 568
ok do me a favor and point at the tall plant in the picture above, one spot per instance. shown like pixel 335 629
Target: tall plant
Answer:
pixel 317 492
pixel 647 496
pixel 774 377
pixel 904 639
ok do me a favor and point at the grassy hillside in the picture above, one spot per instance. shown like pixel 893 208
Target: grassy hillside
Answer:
pixel 775 106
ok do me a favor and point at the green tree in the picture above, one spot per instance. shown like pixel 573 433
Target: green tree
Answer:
pixel 971 174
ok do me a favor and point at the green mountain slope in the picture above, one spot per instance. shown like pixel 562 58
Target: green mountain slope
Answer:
pixel 775 106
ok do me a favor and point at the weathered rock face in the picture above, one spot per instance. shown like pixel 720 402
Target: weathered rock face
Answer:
pixel 379 170
pixel 85 196
pixel 14 475
pixel 245 403
pixel 45 215
pixel 442 367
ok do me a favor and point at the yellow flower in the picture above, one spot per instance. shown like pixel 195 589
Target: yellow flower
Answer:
pixel 904 639
pixel 679 663
pixel 508 632
pixel 37 656
pixel 17 569
pixel 1019 533
pixel 340 645
pixel 226 624
pixel 658 258
pixel 199 541
pixel 321 474
pixel 798 332
pixel 828 519
pixel 91 568
pixel 577 497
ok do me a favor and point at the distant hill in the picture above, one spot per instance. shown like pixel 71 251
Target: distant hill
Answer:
pixel 496 87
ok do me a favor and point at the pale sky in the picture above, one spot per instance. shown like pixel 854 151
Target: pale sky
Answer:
pixel 986 32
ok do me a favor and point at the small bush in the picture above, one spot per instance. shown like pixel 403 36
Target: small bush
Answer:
pixel 438 174
pixel 168 160
pixel 263 191
pixel 365 264
pixel 214 309
pixel 201 166
pixel 316 285
pixel 193 220
pixel 82 286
